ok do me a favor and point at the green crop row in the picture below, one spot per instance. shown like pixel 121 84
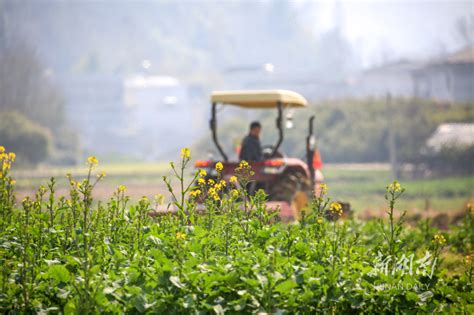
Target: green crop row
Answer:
pixel 219 251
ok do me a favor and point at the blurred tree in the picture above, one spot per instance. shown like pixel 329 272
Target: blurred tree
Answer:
pixel 190 40
pixel 464 27
pixel 26 87
pixel 30 141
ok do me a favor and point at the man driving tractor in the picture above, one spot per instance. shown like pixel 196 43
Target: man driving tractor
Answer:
pixel 289 182
pixel 251 149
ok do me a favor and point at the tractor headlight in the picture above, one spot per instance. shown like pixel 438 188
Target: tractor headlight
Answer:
pixel 273 170
pixel 274 166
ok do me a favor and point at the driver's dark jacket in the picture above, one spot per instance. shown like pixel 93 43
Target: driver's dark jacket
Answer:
pixel 250 149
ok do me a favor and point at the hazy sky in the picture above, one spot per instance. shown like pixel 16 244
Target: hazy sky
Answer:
pixel 393 28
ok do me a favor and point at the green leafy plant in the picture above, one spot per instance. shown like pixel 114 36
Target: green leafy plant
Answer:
pixel 221 251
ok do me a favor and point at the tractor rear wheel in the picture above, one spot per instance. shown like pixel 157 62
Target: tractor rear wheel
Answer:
pixel 294 188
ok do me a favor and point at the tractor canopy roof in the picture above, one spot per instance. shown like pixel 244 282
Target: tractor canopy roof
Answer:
pixel 259 98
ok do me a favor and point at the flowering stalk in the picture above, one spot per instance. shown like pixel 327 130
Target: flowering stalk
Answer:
pixel 469 267
pixel 336 211
pixel 7 198
pixel 26 263
pixel 393 192
pixel 180 202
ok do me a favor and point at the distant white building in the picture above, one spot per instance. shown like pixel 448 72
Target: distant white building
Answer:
pixel 454 135
pixel 148 117
pixel 395 78
pixel 160 115
pixel 448 79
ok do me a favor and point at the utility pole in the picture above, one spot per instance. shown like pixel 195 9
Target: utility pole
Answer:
pixel 5 7
pixel 3 26
pixel 391 138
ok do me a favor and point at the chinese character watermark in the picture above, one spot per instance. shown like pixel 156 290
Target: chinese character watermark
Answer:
pixel 405 265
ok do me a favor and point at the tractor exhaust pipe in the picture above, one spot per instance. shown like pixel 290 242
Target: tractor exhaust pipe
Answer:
pixel 213 125
pixel 279 124
pixel 310 146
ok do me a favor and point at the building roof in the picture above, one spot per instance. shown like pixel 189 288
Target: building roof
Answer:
pixel 398 66
pixel 451 135
pixel 465 55
pixel 460 57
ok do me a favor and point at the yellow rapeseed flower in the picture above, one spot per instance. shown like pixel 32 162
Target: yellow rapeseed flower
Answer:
pixel 121 188
pixel 223 183
pixel 336 208
pixel 2 149
pixel 185 153
pixel 233 179
pixel 324 189
pixel 320 220
pixel 201 181
pixel 180 236
pixel 195 193
pixel 395 187
pixel 219 167
pixel 211 182
pixel 439 239
pixel 6 165
pixel 213 192
pixel 92 160
pixel 12 156
pixel 202 173
pixel 243 164
pixel 468 259
pixel 12 182
pixel 234 193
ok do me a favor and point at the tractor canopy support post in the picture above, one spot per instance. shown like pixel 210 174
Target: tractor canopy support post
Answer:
pixel 279 124
pixel 213 125
pixel 310 150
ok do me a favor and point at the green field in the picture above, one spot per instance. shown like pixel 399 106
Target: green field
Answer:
pixel 364 189
pixel 73 255
pixel 360 184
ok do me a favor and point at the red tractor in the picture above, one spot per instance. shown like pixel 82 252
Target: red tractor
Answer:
pixel 290 182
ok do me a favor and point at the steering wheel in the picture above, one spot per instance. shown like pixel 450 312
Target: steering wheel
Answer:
pixel 267 151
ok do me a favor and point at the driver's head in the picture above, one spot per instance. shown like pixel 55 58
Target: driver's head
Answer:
pixel 255 129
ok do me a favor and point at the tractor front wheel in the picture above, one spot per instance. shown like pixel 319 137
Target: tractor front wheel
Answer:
pixel 294 188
